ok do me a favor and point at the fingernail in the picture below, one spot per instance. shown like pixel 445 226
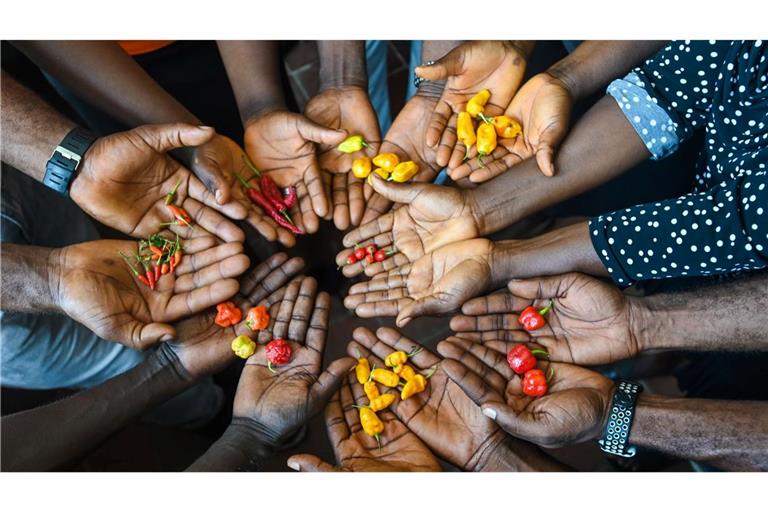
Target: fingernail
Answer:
pixel 166 337
pixel 294 465
pixel 203 127
pixel 218 196
pixel 490 413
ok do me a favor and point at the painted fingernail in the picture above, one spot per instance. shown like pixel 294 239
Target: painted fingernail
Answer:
pixel 294 465
pixel 490 413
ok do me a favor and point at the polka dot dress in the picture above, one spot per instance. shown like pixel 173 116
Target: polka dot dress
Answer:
pixel 722 226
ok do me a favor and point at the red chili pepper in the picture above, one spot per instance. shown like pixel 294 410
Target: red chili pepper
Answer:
pixel 371 249
pixel 381 254
pixel 170 197
pixel 228 314
pixel 165 268
pixel 535 383
pixel 278 352
pixel 369 258
pixel 262 202
pixel 157 273
pixel 135 272
pixel 148 273
pixel 289 197
pixel 351 259
pixel 359 253
pixel 177 257
pixel 271 192
pixel 158 253
pixel 180 214
pixel 531 319
pixel 521 359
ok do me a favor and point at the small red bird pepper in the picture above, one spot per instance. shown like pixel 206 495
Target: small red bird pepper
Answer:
pixel 521 359
pixel 531 319
pixel 535 383
pixel 278 352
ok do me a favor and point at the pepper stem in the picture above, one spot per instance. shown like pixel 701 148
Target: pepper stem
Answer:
pixel 415 351
pixel 480 159
pixel 540 352
pixel 432 371
pixel 127 262
pixel 546 309
pixel 378 440
pixel 250 165
pixel 171 196
pixel 550 374
pixel 466 153
pixel 242 181
pixel 485 119
pixel 270 367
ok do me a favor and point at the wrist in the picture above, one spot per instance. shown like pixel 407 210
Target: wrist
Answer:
pixel 514 455
pixel 643 324
pixel 342 64
pixel 565 72
pixel 166 359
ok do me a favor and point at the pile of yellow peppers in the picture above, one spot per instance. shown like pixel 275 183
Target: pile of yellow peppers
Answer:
pixel 399 376
pixel 489 129
pixel 386 165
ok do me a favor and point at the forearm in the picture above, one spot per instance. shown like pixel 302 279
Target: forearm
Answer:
pixel 253 68
pixel 102 74
pixel 342 64
pixel 592 65
pixel 729 434
pixel 238 449
pixel 30 279
pixel 600 147
pixel 563 250
pixel 515 455
pixel 49 436
pixel 729 316
pixel 31 128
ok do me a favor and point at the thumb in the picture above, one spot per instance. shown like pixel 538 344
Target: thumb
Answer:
pixel 151 334
pixel 212 176
pixel 317 133
pixel 397 192
pixel 449 65
pixel 508 419
pixel 309 463
pixel 549 287
pixel 329 381
pixel 545 159
pixel 165 137
pixel 425 306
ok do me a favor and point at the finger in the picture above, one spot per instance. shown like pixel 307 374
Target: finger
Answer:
pixel 494 167
pixel 489 364
pixel 379 283
pixel 503 347
pixel 194 262
pixel 382 308
pixel 395 261
pixel 549 287
pixel 199 299
pixel 329 381
pixel 477 389
pixel 318 325
pixel 264 336
pixel 369 231
pixel 265 226
pixel 328 191
pixel 520 424
pixel 376 206
pixel 148 335
pixel 251 279
pixel 232 266
pixel 372 297
pixel 363 340
pixel 316 189
pixel 487 336
pixel 277 277
pixel 437 123
pixel 399 192
pixel 193 245
pixel 425 306
pixel 232 208
pixel 449 65
pixel 308 217
pixel 447 142
pixel 356 199
pixel 396 340
pixel 335 422
pixel 507 322
pixel 283 318
pixel 165 137
pixel 317 133
pixel 306 463
pixel 210 220
pixel 340 202
pixel 494 303
pixel 302 309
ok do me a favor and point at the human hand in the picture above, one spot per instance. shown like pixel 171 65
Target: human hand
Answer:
pixel 202 346
pixel 283 144
pixel 398 449
pixel 406 139
pixel 430 217
pixel 124 177
pixel 442 416
pixel 543 108
pixel 438 282
pixel 350 109
pixel 469 68
pixel 273 406
pixel 574 409
pixel 96 288
pixel 590 321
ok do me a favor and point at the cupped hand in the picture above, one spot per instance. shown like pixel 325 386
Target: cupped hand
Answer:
pixel 590 321
pixel 283 144
pixel 96 287
pixel 350 109
pixel 398 449
pixel 124 177
pixel 574 409
pixel 498 66
pixel 202 346
pixel 276 404
pixel 442 416
pixel 430 217
pixel 406 139
pixel 436 283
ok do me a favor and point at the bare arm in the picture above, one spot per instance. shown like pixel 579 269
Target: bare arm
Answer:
pixel 26 278
pixel 342 64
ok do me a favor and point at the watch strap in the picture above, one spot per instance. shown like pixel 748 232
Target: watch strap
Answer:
pixel 65 159
pixel 615 436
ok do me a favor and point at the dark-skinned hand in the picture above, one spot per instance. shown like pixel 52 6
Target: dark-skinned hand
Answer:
pixel 442 416
pixel 590 321
pixel 436 283
pixel 350 109
pixel 124 177
pixel 355 450
pixel 275 405
pixel 429 217
pixel 574 409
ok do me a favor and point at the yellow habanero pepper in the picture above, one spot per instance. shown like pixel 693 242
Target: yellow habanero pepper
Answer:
pixel 404 171
pixel 406 372
pixel 384 173
pixel 486 140
pixel 476 105
pixel 386 160
pixel 416 385
pixel 362 370
pixel 352 144
pixel 386 377
pixel 371 423
pixel 465 130
pixel 243 346
pixel 506 127
pixel 361 167
pixel 400 357
pixel 371 390
pixel 382 402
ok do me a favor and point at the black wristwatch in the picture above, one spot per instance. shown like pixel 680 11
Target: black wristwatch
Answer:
pixel 60 169
pixel 616 432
